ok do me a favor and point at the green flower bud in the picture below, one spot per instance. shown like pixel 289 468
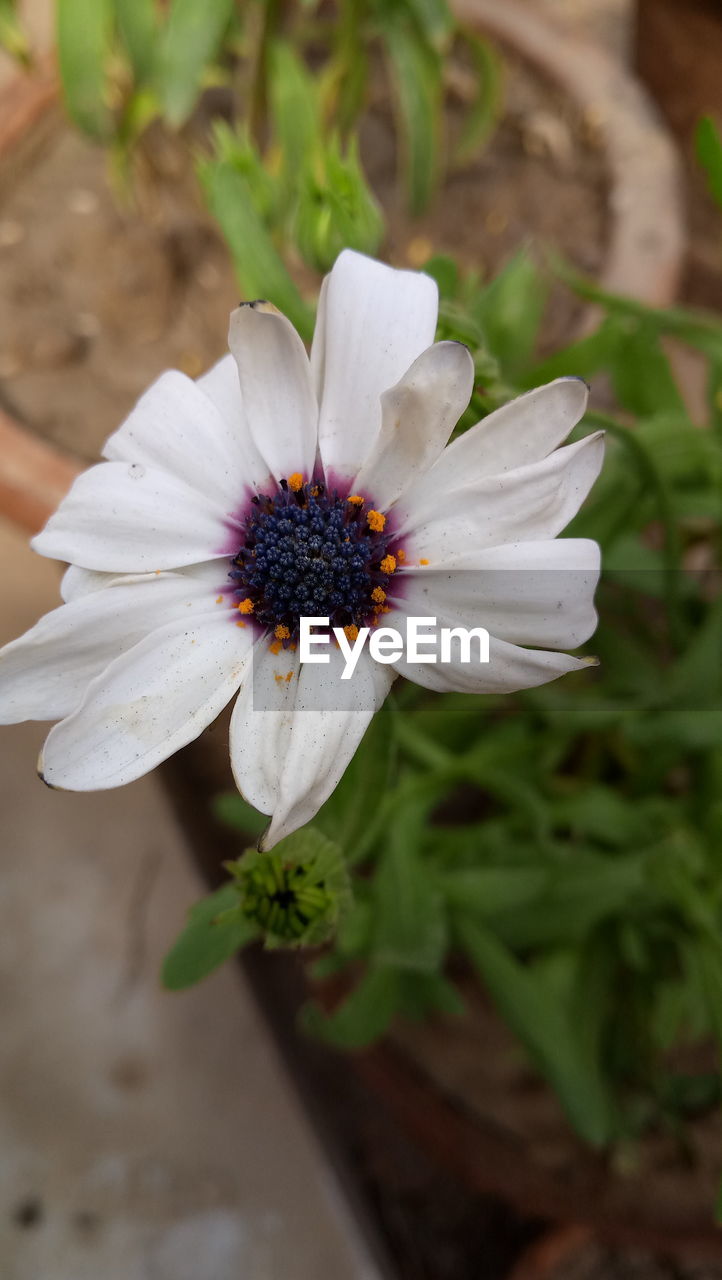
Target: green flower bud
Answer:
pixel 296 893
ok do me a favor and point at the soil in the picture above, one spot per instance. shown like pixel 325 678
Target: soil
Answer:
pixel 98 297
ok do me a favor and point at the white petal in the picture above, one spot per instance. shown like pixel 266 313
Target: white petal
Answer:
pixel 261 724
pixel 538 593
pixel 318 345
pixel 523 431
pixel 151 701
pixel 45 673
pixel 122 517
pixel 525 505
pixel 418 416
pixel 510 668
pixel 221 384
pixel 77 582
pixel 276 387
pixel 329 720
pixel 373 322
pixel 176 427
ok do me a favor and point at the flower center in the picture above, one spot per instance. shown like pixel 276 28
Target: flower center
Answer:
pixel 307 552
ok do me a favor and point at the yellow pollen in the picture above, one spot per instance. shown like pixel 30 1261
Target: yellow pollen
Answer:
pixel 240 624
pixel 282 633
pixel 376 521
pixel 278 678
pixel 289 677
pixel 246 606
pixel 388 564
pixel 219 599
pixel 381 608
pixel 295 482
pixel 356 499
pixel 423 562
pixel 292 647
pixel 351 632
pixel 378 594
pixel 401 556
pixel 315 491
pixel 276 646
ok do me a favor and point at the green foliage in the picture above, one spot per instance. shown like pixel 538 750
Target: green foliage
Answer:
pixel 84 34
pixel 709 153
pixel 216 929
pixel 189 42
pixel 296 84
pixel 13 38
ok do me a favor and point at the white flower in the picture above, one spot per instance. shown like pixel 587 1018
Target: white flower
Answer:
pixel 237 474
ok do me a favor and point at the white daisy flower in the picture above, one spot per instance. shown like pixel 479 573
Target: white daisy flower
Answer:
pixel 276 487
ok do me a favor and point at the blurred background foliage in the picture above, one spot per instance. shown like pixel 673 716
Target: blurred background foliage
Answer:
pixel 565 842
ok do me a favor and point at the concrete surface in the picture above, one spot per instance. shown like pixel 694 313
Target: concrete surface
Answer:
pixel 143 1136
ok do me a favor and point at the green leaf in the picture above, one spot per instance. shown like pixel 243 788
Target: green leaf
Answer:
pixel 445 271
pixel 579 894
pixel 215 930
pixel 485 891
pixel 13 37
pixel 363 1016
pixel 708 145
pixel 138 25
pixel 544 1025
pixel 694 327
pixel 353 812
pixel 423 994
pixel 641 373
pixel 294 108
pixel 510 311
pixel 434 20
pixel 486 107
pixel 190 41
pixel 688 730
pixel 84 31
pixel 415 74
pixel 603 814
pixel 583 358
pixel 259 267
pixel 410 930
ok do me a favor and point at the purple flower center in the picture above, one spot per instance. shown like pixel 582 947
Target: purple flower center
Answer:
pixel 306 552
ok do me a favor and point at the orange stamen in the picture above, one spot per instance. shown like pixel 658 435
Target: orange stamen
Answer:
pixel 246 606
pixel 378 594
pixel 295 482
pixel 281 632
pixel 423 562
pixel 351 633
pixel 356 499
pixel 388 564
pixel 376 521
